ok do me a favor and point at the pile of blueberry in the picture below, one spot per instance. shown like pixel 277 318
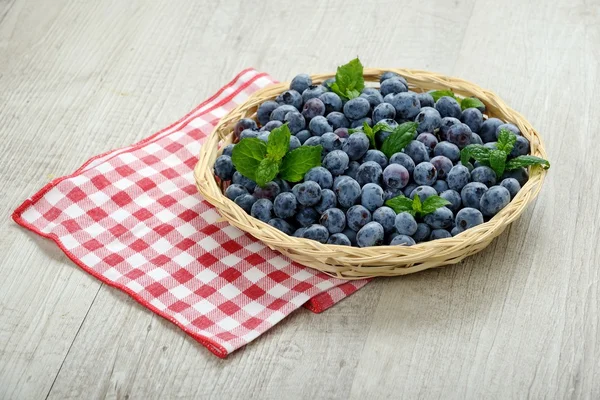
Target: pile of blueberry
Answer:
pixel 356 194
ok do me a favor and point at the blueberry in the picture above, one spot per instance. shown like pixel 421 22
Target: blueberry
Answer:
pixel 459 134
pixel 312 92
pixel 384 134
pixel 313 141
pixel 511 185
pixel 447 122
pixel 263 113
pixel 228 150
pixel 269 126
pixel 370 235
pixel 351 235
pixel 372 196
pixel 402 240
pixel 313 108
pixel 454 198
pixel 342 132
pixel 280 112
pixel 425 173
pixel 295 121
pixel 294 143
pixel 359 123
pixel 357 217
pixel 244 123
pixel 340 239
pixel 520 148
pixel 240 179
pixel 224 168
pixel 391 193
pixel 392 85
pixel 389 74
pixel 284 185
pixel 476 139
pixel 234 190
pixel 321 176
pixel 403 159
pixel 337 120
pixel 409 189
pixel 264 136
pixel 494 200
pixel 488 128
pixel 429 140
pixel 473 118
pixel 471 194
pixel 245 201
pixel 377 156
pixel 307 193
pixel 383 111
pixel 338 180
pixel 282 225
pixel 290 97
pixel 417 151
pixel 426 99
pixel 352 169
pixel 395 176
pixel 441 218
pixel 440 186
pixel 248 133
pixel 284 205
pixel 332 102
pixel 485 175
pixel 306 216
pixel 372 95
pixel 336 162
pixel 405 224
pixel 458 177
pixel 424 192
pixel 369 172
pixel 300 83
pixel 299 232
pixel 510 127
pixel 347 192
pixel 455 231
pixel 328 200
pixel 429 120
pixel 316 232
pixel 443 165
pixel 262 210
pixel 330 141
pixel 319 125
pixel 357 108
pixel 334 220
pixel 302 136
pixel 407 105
pixel 468 217
pixel 520 174
pixel 448 107
pixel 422 233
pixel 439 234
pixel 386 217
pixel 356 146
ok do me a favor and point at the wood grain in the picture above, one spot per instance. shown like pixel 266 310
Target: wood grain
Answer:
pixel 518 320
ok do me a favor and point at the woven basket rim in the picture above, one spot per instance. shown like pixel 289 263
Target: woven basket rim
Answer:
pixel 352 262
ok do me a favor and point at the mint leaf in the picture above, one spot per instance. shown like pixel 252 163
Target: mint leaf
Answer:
pixel 417 205
pixel 279 142
pixel 525 161
pixel 247 155
pixel 476 151
pixel 432 203
pixel 297 162
pixel 382 126
pixel 349 80
pixel 400 204
pixel 506 140
pixel 266 171
pixel 399 139
pixel 437 94
pixel 498 162
pixel 370 132
pixel 471 102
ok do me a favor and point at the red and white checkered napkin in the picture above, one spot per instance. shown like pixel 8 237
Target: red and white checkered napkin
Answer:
pixel 134 219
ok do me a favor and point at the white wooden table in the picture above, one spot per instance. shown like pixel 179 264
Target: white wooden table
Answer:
pixel 518 320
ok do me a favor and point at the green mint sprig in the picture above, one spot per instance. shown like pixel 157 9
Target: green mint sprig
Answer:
pixel 437 94
pixel 263 162
pixel 497 159
pixel 401 136
pixel 415 207
pixel 371 132
pixel 349 80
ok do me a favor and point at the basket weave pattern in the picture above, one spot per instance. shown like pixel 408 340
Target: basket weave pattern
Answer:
pixel 352 262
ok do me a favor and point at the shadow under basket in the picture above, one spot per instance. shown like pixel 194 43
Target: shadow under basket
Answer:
pixel 353 262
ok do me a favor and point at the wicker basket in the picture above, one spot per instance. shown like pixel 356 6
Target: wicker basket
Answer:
pixel 352 262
